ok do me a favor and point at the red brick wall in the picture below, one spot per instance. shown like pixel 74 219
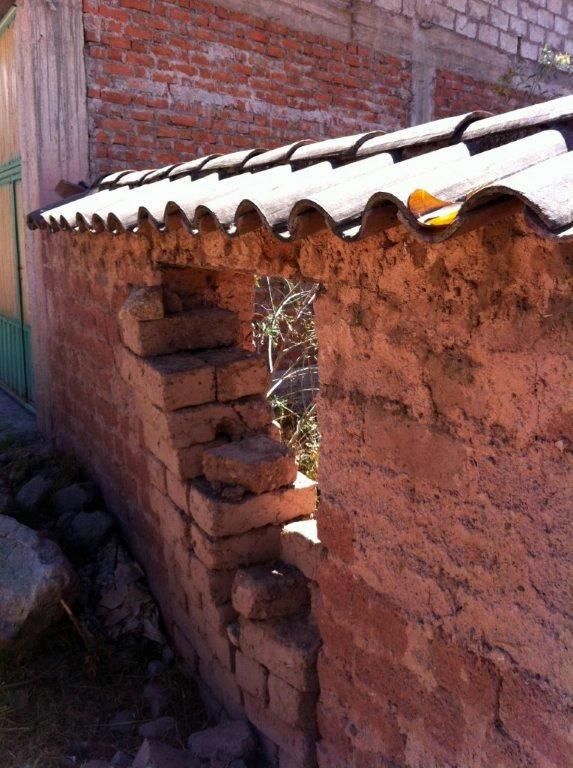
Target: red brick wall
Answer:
pixel 173 79
pixel 457 93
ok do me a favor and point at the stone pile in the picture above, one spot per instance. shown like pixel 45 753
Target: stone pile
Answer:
pixel 232 518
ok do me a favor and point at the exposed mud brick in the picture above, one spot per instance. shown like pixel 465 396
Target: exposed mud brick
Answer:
pixel 173 522
pixel 189 426
pixel 185 463
pixel 145 303
pixel 224 686
pixel 256 463
pixel 301 547
pixel 219 517
pixel 299 745
pixel 200 328
pixel 251 676
pixel 270 591
pixel 238 373
pixel 295 707
pixel 215 586
pixel 156 471
pixel 288 647
pixel 255 412
pixel 336 529
pixel 215 616
pixel 256 546
pixel 176 489
pixel 170 381
pixel 185 647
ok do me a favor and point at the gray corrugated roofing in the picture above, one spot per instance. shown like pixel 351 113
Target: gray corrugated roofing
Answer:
pixel 434 176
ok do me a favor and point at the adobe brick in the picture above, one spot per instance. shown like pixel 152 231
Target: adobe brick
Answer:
pixel 301 547
pixel 185 647
pixel 156 470
pixel 270 591
pixel 176 381
pixel 299 745
pixel 185 463
pixel 216 586
pixel 176 489
pixel 239 373
pixel 224 686
pixel 295 707
pixel 251 676
pixel 233 551
pixel 189 426
pixel 200 328
pixel 174 524
pixel 255 412
pixel 219 517
pixel 287 647
pixel 256 463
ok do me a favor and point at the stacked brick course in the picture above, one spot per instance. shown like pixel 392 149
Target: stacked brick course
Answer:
pixel 221 489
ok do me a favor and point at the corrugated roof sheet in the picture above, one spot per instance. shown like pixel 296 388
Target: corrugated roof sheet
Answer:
pixel 433 176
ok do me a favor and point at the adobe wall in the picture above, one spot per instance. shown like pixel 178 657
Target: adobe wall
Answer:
pixel 446 442
pixel 170 79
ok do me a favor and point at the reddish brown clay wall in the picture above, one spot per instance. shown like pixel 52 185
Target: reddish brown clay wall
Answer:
pixel 446 424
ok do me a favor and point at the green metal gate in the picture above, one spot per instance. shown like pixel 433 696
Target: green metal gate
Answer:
pixel 15 349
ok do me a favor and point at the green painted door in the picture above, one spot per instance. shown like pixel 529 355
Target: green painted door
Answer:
pixel 15 350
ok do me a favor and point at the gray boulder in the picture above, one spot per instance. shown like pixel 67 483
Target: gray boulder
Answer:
pixel 34 493
pixel 34 577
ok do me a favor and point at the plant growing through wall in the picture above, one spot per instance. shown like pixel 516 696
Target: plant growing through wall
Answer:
pixel 534 82
pixel 284 332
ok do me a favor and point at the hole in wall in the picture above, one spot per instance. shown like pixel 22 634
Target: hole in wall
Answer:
pixel 284 332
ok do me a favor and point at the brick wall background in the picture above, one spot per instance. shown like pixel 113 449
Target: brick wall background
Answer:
pixel 172 78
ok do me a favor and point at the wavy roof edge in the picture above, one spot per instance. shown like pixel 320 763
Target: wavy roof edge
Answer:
pixel 459 167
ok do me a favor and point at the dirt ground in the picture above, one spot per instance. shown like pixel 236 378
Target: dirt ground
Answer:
pixel 58 700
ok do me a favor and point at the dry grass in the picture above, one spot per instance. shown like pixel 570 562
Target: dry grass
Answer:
pixel 61 698
pixel 58 699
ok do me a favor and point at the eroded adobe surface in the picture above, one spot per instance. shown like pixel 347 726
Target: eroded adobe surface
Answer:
pixel 446 426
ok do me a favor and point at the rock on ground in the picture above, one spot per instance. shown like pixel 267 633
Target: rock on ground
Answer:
pixel 224 743
pixel 154 754
pixel 34 577
pixel 34 493
pixel 75 498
